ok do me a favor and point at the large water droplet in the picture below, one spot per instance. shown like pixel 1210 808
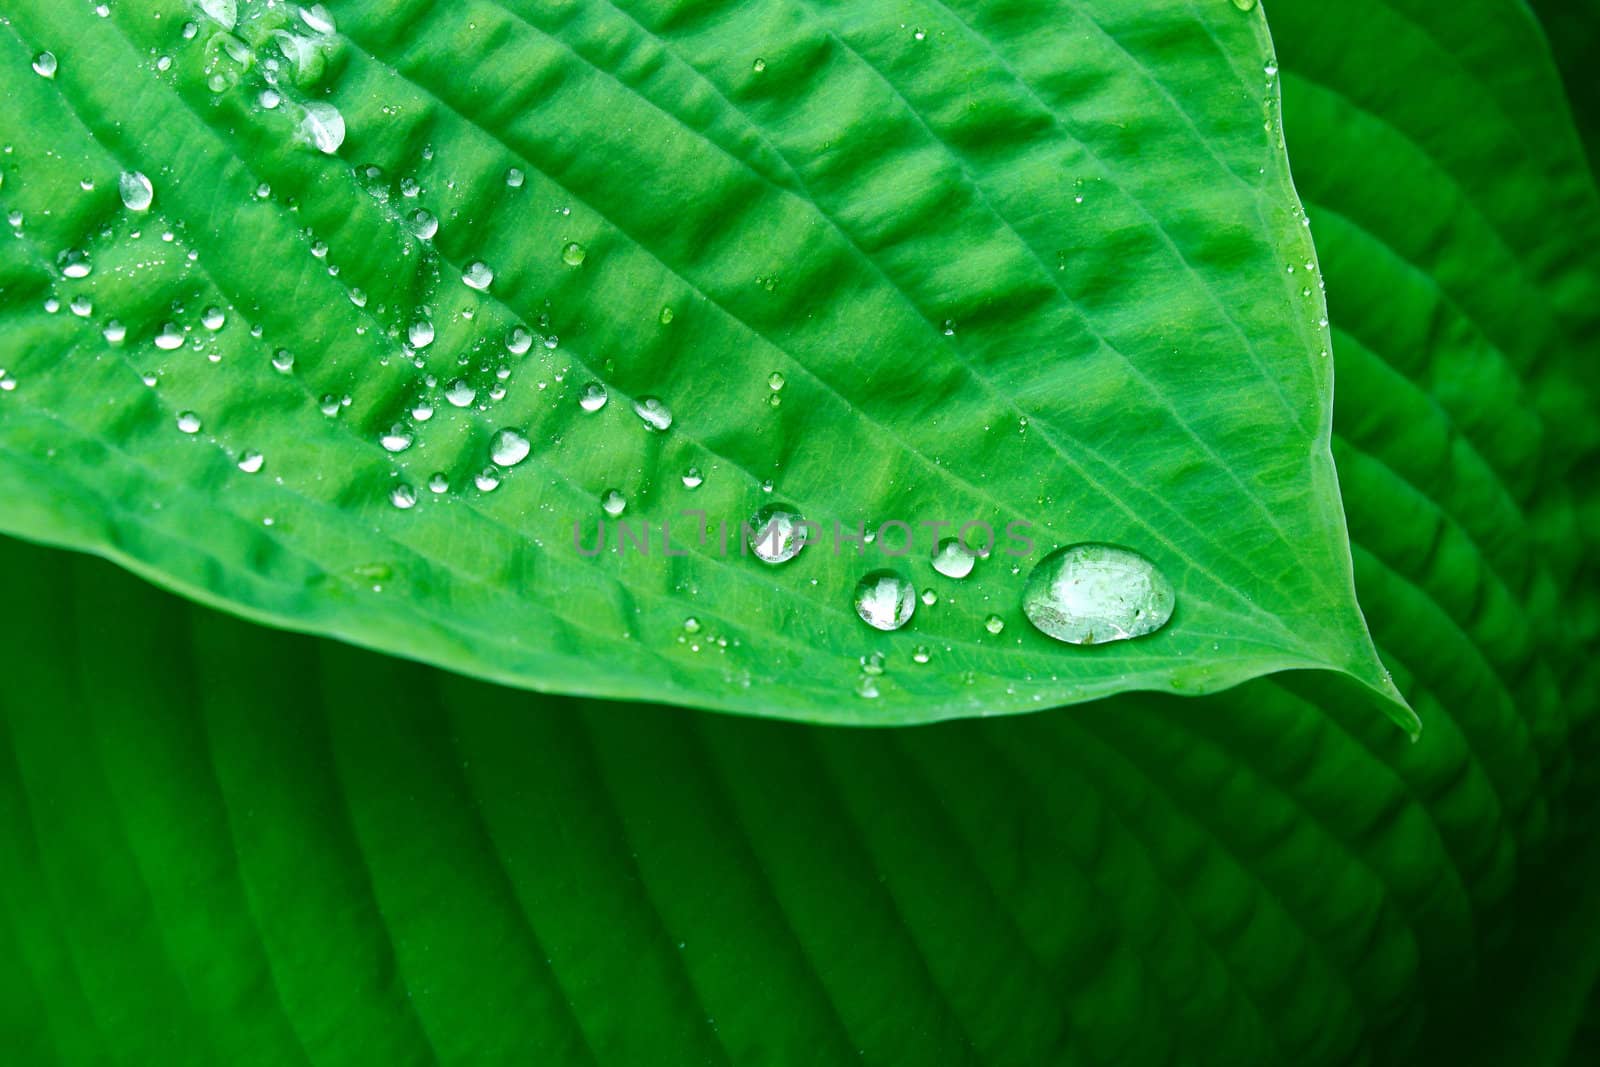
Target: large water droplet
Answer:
pixel 323 126
pixel 478 276
pixel 44 64
pixel 420 333
pixel 777 533
pixel 885 600
pixel 508 448
pixel 1089 594
pixel 213 318
pixel 423 224
pixel 593 397
pixel 953 559
pixel 654 412
pixel 136 190
pixel 518 341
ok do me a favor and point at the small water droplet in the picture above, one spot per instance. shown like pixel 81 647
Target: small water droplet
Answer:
pixel 515 178
pixel 323 126
pixel 593 397
pixel 213 319
pixel 44 64
pixel 438 482
pixel 759 65
pixel 872 663
pixel 1088 594
pixel 953 559
pixel 170 338
pixel 269 99
pixel 136 191
pixel 994 624
pixel 508 448
pixel 775 381
pixel 74 263
pixel 573 254
pixel 777 533
pixel 885 600
pixel 478 276
pixel 420 333
pixel 398 439
pixel 283 361
pixel 921 654
pixel 460 393
pixel 114 332
pixel 329 405
pixel 1245 5
pixel 81 306
pixel 251 462
pixel 403 497
pixel 929 597
pixel 666 316
pixel 691 625
pixel 613 503
pixel 188 422
pixel 692 478
pixel 654 413
pixel 423 224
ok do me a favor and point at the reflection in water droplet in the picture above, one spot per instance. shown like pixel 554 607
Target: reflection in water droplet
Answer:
pixel 994 624
pixel 518 341
pixel 776 533
pixel 74 263
pixel 136 191
pixel 188 422
pixel 420 333
pixel 775 381
pixel 692 478
pixel 460 393
pixel 403 497
pixel 169 338
pixel 213 319
pixel 921 654
pixel 44 64
pixel 224 12
pixel 114 332
pixel 593 397
pixel 423 224
pixel 487 480
pixel 251 462
pixel 929 597
pixel 654 412
pixel 508 448
pixel 438 483
pixel 515 178
pixel 613 503
pixel 283 361
pixel 759 65
pixel 329 405
pixel 478 276
pixel 398 439
pixel 1088 594
pixel 885 600
pixel 573 254
pixel 953 559
pixel 323 126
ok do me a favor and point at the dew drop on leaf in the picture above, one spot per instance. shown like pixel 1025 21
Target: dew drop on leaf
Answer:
pixel 420 333
pixel 460 393
pixel 251 462
pixel 188 422
pixel 573 254
pixel 44 64
pixel 776 533
pixel 885 600
pixel 613 503
pixel 169 338
pixel 136 191
pixel 1088 594
pixel 953 559
pixel 323 126
pixel 593 397
pixel 403 497
pixel 692 478
pixel 508 448
pixel 398 439
pixel 994 624
pixel 478 276
pixel 654 413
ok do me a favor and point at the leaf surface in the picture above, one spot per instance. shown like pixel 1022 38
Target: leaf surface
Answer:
pixel 1053 299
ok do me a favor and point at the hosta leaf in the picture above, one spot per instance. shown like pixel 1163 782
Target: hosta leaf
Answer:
pixel 1029 264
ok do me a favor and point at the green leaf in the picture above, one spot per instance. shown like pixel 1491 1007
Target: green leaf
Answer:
pixel 813 191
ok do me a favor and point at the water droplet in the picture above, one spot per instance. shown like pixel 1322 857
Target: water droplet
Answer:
pixel 654 412
pixel 44 64
pixel 398 439
pixel 74 263
pixel 223 12
pixel 953 559
pixel 169 338
pixel 867 687
pixel 81 306
pixel 318 19
pixel 1271 69
pixel 666 316
pixel 775 381
pixel 329 405
pixel 1245 5
pixel 487 480
pixel 423 224
pixel 777 533
pixel 438 482
pixel 692 478
pixel 460 393
pixel 188 422
pixel 283 361
pixel 213 319
pixel 759 65
pixel 508 448
pixel 269 99
pixel 573 254
pixel 613 503
pixel 422 411
pixel 593 397
pixel 691 625
pixel 114 332
pixel 994 624
pixel 872 663
pixel 420 333
pixel 403 497
pixel 921 654
pixel 136 191
pixel 515 178
pixel 929 597
pixel 885 600
pixel 323 126
pixel 251 462
pixel 478 276
pixel 1088 594
pixel 518 341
